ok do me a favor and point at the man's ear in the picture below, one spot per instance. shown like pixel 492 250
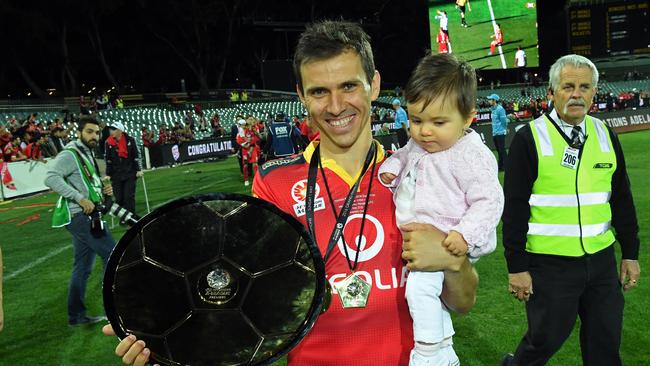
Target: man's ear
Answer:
pixel 376 85
pixel 299 91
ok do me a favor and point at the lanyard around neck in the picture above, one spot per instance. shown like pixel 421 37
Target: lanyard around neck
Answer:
pixel 341 219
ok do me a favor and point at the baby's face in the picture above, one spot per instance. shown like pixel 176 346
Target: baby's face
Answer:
pixel 438 126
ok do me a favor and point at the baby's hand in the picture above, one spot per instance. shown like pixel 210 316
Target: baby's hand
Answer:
pixel 455 243
pixel 387 178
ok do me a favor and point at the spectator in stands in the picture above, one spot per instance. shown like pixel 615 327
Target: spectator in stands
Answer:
pixel 190 120
pixel 215 123
pixel 102 102
pixel 12 152
pixel 147 137
pixel 176 134
pixel 384 130
pixel 499 128
pixel 57 138
pixel 5 136
pixel 34 149
pixel 122 165
pixel 12 123
pixel 119 102
pixel 187 134
pixel 163 136
pixel 74 176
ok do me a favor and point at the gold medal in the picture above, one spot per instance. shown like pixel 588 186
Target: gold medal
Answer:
pixel 353 291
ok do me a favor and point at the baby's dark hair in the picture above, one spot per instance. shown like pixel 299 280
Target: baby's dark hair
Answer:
pixel 443 76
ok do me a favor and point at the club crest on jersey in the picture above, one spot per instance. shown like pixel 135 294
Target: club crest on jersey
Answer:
pixel 299 195
pixel 369 247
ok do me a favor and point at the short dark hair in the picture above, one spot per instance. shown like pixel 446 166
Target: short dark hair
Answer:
pixel 326 39
pixel 84 120
pixel 443 76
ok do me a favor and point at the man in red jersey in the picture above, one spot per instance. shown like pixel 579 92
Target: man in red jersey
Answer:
pixel 443 42
pixel 337 81
pixel 498 38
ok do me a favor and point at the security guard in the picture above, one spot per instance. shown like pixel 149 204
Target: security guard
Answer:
pixel 566 187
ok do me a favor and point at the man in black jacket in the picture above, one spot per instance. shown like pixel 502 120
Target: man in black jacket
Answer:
pixel 122 165
pixel 566 187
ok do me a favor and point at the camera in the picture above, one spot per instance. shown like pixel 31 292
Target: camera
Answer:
pixel 109 207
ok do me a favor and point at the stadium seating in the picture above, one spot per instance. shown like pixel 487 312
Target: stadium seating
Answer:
pixel 152 117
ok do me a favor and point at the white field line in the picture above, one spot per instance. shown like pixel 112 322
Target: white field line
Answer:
pixel 494 25
pixel 36 262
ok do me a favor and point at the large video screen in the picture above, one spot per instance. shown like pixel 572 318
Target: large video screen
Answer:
pixel 489 35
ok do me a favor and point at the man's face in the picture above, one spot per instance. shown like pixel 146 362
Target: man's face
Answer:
pixel 337 96
pixel 116 133
pixel 89 136
pixel 574 94
pixel 492 102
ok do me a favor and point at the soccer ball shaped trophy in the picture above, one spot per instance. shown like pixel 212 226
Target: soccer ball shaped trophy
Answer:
pixel 216 279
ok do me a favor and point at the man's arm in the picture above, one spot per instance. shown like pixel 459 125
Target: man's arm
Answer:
pixel 62 166
pixel 423 251
pixel 459 289
pixel 624 219
pixel 521 173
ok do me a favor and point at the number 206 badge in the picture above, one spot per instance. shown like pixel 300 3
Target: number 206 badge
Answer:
pixel 570 157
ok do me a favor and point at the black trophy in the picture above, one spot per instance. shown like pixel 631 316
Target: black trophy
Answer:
pixel 216 279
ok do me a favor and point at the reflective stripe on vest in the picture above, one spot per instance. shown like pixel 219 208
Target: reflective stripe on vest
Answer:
pixel 567 200
pixel 570 212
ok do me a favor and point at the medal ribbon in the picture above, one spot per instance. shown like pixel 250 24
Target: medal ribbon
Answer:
pixel 341 218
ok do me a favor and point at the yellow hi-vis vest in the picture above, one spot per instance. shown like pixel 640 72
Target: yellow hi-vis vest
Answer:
pixel 569 208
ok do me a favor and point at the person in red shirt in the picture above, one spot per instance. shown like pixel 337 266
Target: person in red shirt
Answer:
pixel 147 137
pixel 309 132
pixel 443 42
pixel 249 138
pixel 12 152
pixel 163 136
pixel 498 39
pixel 337 81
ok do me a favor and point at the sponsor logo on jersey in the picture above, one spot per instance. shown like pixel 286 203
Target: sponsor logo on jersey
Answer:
pixel 299 195
pixel 370 243
pixel 381 279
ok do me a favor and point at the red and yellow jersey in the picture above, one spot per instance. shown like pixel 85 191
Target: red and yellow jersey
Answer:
pixel 249 141
pixel 381 333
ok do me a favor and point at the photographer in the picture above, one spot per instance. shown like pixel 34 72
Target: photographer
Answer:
pixel 75 176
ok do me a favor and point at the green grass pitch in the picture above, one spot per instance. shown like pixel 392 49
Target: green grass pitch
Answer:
pixel 518 21
pixel 38 262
